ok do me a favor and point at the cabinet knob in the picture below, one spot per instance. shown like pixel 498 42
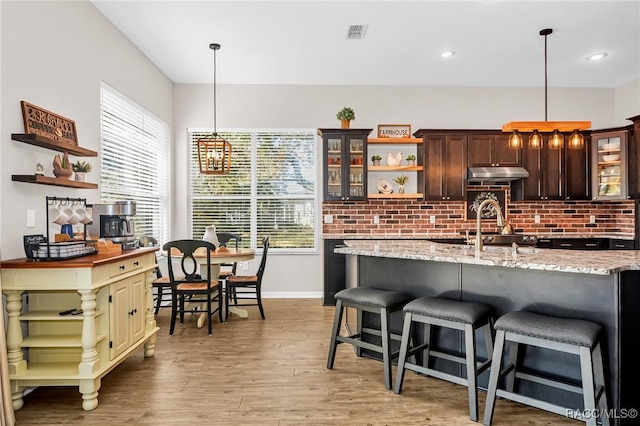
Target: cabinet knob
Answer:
pixel 136 263
pixel 122 267
pixel 133 311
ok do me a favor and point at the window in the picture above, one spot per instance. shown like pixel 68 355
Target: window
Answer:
pixel 134 161
pixel 271 189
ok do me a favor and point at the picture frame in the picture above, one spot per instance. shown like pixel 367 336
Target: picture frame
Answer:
pixel 476 197
pixel 396 131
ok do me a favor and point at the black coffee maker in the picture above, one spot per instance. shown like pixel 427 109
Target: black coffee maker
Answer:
pixel 113 221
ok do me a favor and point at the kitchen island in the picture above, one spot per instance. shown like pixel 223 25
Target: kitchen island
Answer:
pixel 111 299
pixel 599 286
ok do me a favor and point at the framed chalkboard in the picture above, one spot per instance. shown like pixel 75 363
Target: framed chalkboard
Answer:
pixel 32 243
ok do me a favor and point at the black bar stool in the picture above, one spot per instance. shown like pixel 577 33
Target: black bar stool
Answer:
pixel 365 299
pixel 566 335
pixel 464 316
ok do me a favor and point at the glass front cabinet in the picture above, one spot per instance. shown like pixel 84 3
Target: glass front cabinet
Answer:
pixel 609 168
pixel 344 164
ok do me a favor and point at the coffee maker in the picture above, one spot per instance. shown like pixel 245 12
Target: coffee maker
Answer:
pixel 114 222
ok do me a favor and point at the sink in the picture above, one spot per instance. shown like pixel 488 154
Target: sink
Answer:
pixel 503 249
pixel 507 239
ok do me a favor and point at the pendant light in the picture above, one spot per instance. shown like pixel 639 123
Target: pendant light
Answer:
pixel 556 141
pixel 214 151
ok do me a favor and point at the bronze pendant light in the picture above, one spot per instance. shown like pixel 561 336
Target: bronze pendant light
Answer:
pixel 214 151
pixel 556 141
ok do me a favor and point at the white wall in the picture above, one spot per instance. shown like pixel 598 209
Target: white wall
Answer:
pixel 54 55
pixel 627 102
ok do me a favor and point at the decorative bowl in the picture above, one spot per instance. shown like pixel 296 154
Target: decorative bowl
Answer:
pixel 611 157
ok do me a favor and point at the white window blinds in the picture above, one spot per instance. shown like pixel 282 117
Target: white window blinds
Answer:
pixel 271 189
pixel 134 161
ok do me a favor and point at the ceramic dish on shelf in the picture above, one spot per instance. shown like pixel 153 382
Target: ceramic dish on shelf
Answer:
pixel 611 157
pixel 611 146
pixel 384 187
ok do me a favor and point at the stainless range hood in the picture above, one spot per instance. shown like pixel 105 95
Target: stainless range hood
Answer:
pixel 496 174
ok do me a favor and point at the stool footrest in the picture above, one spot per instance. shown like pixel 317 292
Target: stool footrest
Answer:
pixel 435 373
pixel 357 341
pixel 554 383
pixel 543 405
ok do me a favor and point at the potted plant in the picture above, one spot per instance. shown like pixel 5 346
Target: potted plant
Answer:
pixel 401 181
pixel 345 115
pixel 81 168
pixel 376 159
pixel 411 160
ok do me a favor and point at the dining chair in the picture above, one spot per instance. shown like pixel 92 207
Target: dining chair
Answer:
pixel 161 283
pixel 247 287
pixel 189 286
pixel 225 238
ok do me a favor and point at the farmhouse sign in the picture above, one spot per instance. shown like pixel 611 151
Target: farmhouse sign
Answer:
pixel 46 124
pixel 394 130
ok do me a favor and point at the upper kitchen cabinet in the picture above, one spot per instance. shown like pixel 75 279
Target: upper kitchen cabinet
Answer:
pixel 445 170
pixel 491 149
pixel 345 166
pixel 554 174
pixel 610 164
pixel 633 154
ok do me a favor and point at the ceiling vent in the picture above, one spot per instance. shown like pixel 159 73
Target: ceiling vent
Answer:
pixel 356 31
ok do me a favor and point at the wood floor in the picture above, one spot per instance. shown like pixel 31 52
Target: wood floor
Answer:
pixel 254 372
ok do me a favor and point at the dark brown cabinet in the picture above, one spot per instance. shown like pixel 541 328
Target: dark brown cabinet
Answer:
pixel 445 164
pixel 554 174
pixel 633 150
pixel 344 164
pixel 491 149
pixel 611 173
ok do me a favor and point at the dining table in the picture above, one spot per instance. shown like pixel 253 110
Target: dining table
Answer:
pixel 220 256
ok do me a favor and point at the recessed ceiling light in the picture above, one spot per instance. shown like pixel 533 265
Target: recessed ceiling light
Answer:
pixel 596 56
pixel 447 54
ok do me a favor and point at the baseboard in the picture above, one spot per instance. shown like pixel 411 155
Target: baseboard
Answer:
pixel 292 295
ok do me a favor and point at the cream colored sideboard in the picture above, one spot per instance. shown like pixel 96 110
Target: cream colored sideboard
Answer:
pixel 115 295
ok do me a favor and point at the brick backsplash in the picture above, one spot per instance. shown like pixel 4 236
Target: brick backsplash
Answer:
pixel 412 216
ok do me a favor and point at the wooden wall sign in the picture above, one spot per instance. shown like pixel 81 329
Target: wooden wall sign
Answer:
pixel 394 130
pixel 46 124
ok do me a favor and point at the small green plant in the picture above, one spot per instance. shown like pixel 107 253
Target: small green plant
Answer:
pixel 346 113
pixel 376 157
pixel 81 166
pixel 411 157
pixel 401 180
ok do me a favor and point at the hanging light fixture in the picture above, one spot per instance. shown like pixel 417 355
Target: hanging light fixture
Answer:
pixel 214 151
pixel 576 140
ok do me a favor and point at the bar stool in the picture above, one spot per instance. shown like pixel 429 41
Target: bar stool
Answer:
pixel 566 335
pixel 464 316
pixel 365 299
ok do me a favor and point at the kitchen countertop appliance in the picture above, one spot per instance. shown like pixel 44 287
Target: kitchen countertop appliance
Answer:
pixel 114 222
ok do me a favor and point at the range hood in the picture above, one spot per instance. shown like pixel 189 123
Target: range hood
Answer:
pixel 496 174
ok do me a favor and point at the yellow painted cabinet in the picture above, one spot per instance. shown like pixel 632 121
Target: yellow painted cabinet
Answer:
pixel 127 312
pixel 45 348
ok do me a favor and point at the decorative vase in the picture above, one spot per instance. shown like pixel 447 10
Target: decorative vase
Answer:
pixel 400 189
pixel 211 236
pixel 345 123
pixel 81 176
pixel 411 162
pixel 376 162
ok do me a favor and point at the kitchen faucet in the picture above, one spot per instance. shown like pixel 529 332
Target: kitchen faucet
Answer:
pixel 499 220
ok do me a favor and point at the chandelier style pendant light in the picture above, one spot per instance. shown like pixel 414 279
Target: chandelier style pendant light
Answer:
pixel 556 141
pixel 214 151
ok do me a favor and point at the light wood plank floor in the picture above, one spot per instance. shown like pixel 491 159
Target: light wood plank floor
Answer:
pixel 254 372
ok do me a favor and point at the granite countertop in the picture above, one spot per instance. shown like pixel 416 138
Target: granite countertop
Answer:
pixel 396 235
pixel 597 262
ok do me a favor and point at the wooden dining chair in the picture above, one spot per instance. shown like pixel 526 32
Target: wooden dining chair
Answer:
pixel 161 298
pixel 189 286
pixel 225 239
pixel 247 287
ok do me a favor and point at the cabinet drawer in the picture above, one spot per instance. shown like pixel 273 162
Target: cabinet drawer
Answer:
pixel 621 244
pixel 125 266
